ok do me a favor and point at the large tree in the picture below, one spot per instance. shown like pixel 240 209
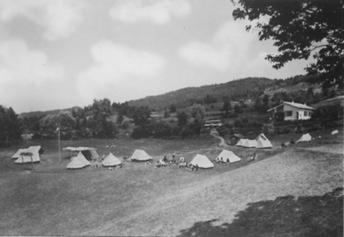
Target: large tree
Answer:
pixel 300 29
pixel 10 128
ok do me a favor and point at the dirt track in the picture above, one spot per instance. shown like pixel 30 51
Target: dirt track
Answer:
pixel 222 142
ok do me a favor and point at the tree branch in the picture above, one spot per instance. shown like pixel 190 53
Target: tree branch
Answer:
pixel 318 46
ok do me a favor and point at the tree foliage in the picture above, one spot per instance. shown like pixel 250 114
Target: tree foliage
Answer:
pixel 10 128
pixel 172 108
pixel 226 106
pixel 300 29
pixel 141 115
pixel 209 99
pixel 238 109
pixel 97 122
pixel 182 119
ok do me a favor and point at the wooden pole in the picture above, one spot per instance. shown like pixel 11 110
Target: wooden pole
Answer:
pixel 59 143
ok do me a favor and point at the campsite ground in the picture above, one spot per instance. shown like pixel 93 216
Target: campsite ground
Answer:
pixel 285 192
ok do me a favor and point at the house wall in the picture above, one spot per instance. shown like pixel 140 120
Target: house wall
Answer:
pixel 296 113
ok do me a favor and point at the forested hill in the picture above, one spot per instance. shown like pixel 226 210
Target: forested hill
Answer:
pixel 106 119
pixel 43 113
pixel 242 88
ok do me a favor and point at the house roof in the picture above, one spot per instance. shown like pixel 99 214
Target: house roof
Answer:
pixel 293 104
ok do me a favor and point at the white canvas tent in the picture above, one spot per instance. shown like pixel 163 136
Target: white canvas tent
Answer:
pixel 202 162
pixel 111 160
pixel 228 156
pixel 22 155
pixel 77 162
pixel 17 154
pixel 90 153
pixel 263 141
pixel 260 142
pixel 240 142
pixel 305 138
pixel 140 155
pixel 247 143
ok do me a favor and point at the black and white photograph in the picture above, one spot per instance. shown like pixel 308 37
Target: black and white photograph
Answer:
pixel 172 118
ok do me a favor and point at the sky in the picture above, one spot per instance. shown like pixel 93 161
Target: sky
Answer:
pixel 56 54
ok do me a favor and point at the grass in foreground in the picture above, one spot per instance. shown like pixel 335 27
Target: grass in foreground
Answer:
pixel 143 200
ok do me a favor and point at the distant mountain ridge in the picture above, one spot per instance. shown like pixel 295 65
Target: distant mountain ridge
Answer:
pixel 233 89
pixel 250 87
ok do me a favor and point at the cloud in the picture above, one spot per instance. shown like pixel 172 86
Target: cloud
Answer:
pixel 198 53
pixel 203 54
pixel 120 72
pixel 59 18
pixel 18 63
pixel 227 48
pixel 156 11
pixel 26 74
pixel 238 53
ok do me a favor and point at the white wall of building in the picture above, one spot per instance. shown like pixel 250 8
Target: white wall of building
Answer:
pixel 291 113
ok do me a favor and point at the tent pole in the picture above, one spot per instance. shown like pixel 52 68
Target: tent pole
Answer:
pixel 59 144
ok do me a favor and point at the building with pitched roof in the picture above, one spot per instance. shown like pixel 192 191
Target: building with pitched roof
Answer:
pixel 292 111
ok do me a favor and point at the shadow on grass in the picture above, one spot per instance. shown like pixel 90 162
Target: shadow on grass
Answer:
pixel 312 216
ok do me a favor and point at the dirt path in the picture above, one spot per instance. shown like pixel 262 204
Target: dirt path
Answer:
pixel 215 134
pixel 333 148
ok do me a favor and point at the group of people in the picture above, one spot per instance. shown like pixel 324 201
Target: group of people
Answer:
pixel 167 161
pixel 172 160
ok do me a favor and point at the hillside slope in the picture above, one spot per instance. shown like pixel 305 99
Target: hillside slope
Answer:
pixel 295 173
pixel 232 89
pixel 48 112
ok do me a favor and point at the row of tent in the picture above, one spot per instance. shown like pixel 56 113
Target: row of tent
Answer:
pixel 31 154
pixel 84 154
pixel 263 142
pixel 79 161
pixel 204 162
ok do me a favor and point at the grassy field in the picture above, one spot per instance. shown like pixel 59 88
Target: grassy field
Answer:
pixel 139 199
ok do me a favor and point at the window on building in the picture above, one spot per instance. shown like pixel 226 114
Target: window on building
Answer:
pixel 288 113
pixel 305 113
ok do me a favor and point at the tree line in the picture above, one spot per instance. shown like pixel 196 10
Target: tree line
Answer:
pixel 10 128
pixel 104 119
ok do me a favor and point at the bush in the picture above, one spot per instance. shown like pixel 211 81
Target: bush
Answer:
pixel 238 109
pixel 186 132
pixel 224 131
pixel 238 123
pixel 140 132
pixel 161 130
pixel 328 113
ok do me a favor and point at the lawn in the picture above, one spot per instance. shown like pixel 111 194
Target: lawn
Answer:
pixel 139 199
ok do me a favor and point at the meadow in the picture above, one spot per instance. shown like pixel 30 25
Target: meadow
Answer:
pixel 266 196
